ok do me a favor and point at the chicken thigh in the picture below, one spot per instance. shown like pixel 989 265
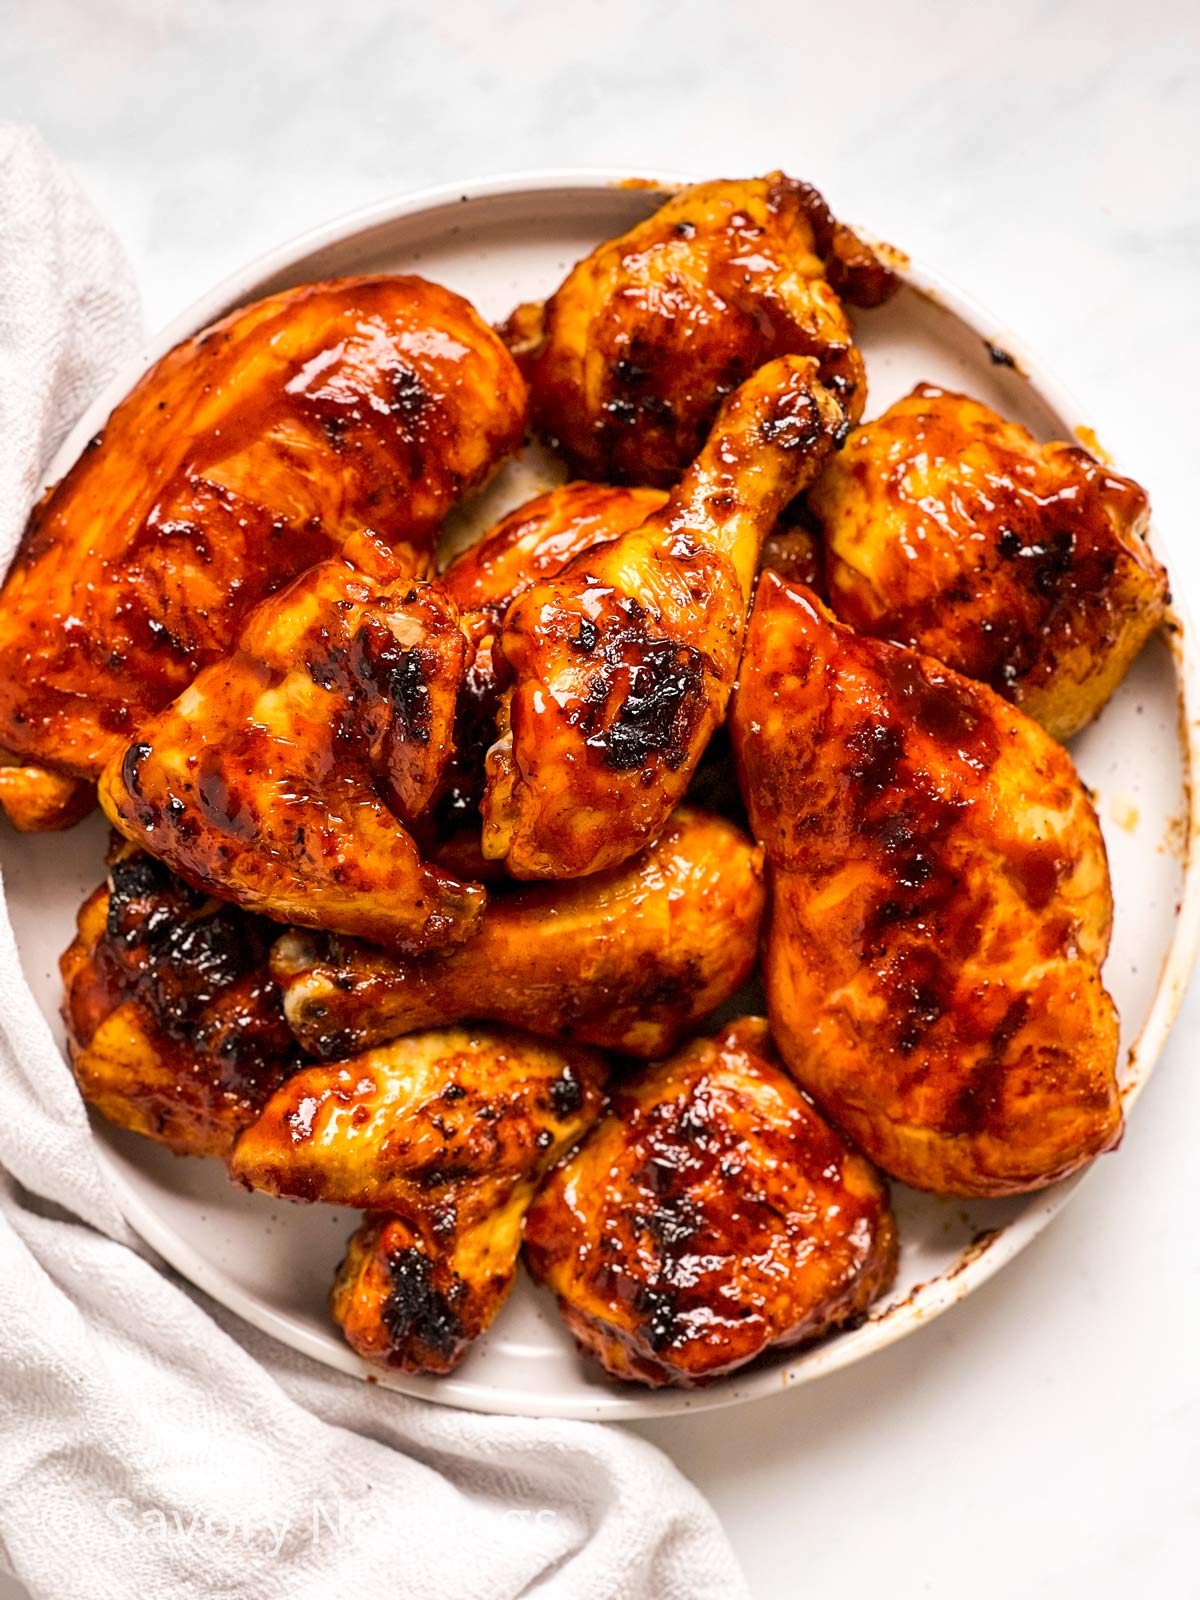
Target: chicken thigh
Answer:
pixel 174 1025
pixel 245 455
pixel 535 541
pixel 621 666
pixel 630 359
pixel 1022 565
pixel 940 907
pixel 710 1216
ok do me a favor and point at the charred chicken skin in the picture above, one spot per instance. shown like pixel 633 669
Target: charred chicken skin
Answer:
pixel 710 1216
pixel 245 455
pixel 282 779
pixel 1022 565
pixel 621 666
pixel 416 1298
pixel 631 357
pixel 940 907
pixel 448 1133
pixel 628 959
pixel 175 1027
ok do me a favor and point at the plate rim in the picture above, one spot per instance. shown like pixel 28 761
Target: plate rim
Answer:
pixel 926 1302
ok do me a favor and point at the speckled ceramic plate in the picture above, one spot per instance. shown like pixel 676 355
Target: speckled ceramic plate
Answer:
pixel 512 239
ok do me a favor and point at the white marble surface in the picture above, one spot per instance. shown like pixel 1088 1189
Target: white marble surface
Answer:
pixel 1044 1439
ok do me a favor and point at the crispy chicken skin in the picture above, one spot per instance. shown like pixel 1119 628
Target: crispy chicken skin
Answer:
pixel 405 1297
pixel 940 907
pixel 628 959
pixel 283 777
pixel 174 1025
pixel 621 666
pixel 634 353
pixel 1022 565
pixel 710 1216
pixel 244 456
pixel 441 1126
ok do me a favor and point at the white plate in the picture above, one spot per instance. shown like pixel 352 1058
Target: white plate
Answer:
pixel 499 242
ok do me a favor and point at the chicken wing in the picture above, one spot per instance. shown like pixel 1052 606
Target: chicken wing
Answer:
pixel 940 907
pixel 405 1297
pixel 244 456
pixel 449 1133
pixel 441 1126
pixel 282 778
pixel 710 1216
pixel 632 356
pixel 628 959
pixel 174 1025
pixel 1022 565
pixel 621 666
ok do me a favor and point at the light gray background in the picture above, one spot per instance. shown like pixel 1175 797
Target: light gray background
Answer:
pixel 1043 1439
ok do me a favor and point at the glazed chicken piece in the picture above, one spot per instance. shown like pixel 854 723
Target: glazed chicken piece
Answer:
pixel 534 542
pixel 537 541
pixel 405 1297
pixel 628 959
pixel 174 1025
pixel 283 778
pixel 448 1133
pixel 710 1216
pixel 36 800
pixel 1022 565
pixel 632 356
pixel 448 1121
pixel 621 666
pixel 244 456
pixel 940 907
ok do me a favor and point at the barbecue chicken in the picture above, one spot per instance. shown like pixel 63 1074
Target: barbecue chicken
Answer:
pixel 711 1215
pixel 940 907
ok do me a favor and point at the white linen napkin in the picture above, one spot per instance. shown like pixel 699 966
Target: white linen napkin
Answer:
pixel 151 1444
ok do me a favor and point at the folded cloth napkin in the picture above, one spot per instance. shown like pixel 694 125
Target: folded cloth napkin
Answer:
pixel 149 1442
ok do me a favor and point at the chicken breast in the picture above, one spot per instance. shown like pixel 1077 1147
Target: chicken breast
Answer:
pixel 245 455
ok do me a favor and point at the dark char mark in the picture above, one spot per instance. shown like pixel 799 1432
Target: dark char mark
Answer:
pixel 415 1310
